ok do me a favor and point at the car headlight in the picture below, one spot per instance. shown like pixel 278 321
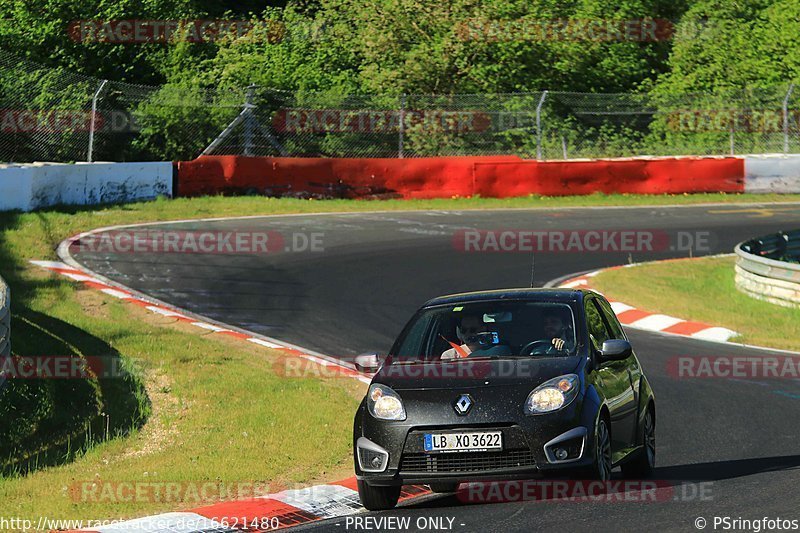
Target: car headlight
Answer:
pixel 552 395
pixel 384 403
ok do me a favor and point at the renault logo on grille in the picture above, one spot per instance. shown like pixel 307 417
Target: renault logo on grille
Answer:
pixel 463 404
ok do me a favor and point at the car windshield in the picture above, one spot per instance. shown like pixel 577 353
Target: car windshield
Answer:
pixel 488 329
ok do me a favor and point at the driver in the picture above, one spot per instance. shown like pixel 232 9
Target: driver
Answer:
pixel 555 330
pixel 475 336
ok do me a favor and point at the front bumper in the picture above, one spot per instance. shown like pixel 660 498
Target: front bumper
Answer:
pixel 529 450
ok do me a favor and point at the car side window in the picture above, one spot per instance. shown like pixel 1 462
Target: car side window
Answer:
pixel 414 339
pixel 596 325
pixel 613 324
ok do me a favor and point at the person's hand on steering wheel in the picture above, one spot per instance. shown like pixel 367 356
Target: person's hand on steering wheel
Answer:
pixel 540 347
pixel 558 343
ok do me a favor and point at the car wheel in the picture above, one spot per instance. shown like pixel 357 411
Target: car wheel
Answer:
pixel 601 467
pixel 378 498
pixel 644 463
pixel 442 488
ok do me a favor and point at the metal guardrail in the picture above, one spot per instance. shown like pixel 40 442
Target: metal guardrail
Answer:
pixel 768 268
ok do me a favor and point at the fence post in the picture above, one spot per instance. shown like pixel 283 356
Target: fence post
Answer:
pixel 786 119
pixel 90 151
pixel 248 120
pixel 539 125
pixel 246 116
pixel 401 126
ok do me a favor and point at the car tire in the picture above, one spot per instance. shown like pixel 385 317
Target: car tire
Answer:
pixel 443 488
pixel 601 465
pixel 378 498
pixel 645 462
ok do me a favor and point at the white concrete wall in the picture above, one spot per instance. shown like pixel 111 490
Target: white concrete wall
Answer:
pixel 772 173
pixel 36 185
pixel 15 188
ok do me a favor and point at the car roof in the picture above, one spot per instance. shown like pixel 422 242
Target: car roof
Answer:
pixel 529 294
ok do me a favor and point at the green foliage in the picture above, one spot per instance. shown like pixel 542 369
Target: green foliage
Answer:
pixel 408 46
pixel 319 51
pixel 181 119
pixel 48 420
pixel 721 44
pixel 373 46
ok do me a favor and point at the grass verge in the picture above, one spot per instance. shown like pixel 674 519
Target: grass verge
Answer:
pixel 201 408
pixel 703 290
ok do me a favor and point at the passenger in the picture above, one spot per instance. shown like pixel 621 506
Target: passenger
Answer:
pixel 556 330
pixel 476 338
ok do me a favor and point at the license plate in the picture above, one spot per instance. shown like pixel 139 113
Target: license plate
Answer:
pixel 464 442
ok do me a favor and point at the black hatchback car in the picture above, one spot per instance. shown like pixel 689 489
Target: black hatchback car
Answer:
pixel 501 385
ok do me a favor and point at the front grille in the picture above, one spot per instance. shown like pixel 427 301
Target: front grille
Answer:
pixel 465 461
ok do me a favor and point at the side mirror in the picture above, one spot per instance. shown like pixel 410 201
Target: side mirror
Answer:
pixel 368 362
pixel 615 350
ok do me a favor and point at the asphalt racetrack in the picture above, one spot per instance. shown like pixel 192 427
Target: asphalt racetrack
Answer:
pixel 726 448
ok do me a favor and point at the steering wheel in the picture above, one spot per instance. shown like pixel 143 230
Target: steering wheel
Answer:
pixel 531 348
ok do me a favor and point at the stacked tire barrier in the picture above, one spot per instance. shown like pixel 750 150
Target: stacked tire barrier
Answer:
pixel 768 268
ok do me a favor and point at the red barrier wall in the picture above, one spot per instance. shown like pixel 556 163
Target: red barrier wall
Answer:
pixel 442 177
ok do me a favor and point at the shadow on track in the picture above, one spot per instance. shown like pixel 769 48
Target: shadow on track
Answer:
pixel 668 477
pixel 734 468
